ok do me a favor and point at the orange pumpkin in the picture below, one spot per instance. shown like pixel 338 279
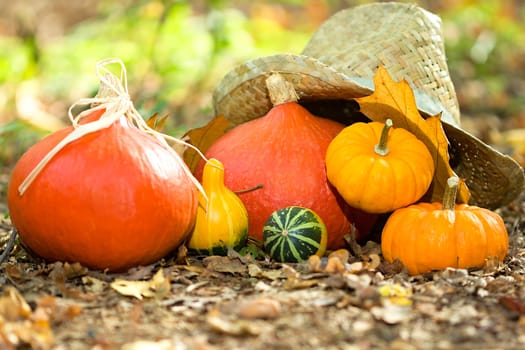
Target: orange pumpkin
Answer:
pixel 378 168
pixel 112 199
pixel 284 151
pixel 434 236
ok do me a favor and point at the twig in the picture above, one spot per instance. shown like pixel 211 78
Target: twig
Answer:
pixel 9 245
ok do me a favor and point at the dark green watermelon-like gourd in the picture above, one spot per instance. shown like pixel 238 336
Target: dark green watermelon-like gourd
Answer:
pixel 293 234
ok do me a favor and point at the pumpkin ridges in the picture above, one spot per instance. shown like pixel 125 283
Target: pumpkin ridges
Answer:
pixel 382 176
pixel 428 236
pixel 471 237
pixel 128 217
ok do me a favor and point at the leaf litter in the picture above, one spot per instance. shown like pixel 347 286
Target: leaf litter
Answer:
pixel 350 299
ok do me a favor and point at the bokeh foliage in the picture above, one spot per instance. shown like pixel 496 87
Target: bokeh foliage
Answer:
pixel 176 51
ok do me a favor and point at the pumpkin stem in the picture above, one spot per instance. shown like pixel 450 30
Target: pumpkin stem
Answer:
pixel 256 187
pixel 280 90
pixel 449 197
pixel 381 148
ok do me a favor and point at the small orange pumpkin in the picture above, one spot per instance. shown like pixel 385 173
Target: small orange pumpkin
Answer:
pixel 434 236
pixel 379 171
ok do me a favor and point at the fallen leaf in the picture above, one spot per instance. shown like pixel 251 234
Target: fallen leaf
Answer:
pixel 396 294
pixel 512 303
pixel 22 327
pixel 224 264
pixel 203 138
pixel 157 123
pixel 255 271
pixel 263 308
pixel 396 101
pixel 13 306
pixel 158 287
pixel 223 325
pixel 315 264
pixel 94 285
pixel 62 272
pixel 342 254
pixel 334 265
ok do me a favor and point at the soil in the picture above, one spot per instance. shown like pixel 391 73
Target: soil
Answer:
pixel 238 302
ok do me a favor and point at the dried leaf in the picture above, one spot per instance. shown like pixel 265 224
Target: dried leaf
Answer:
pixel 255 271
pixel 158 287
pixel 396 294
pixel 263 308
pixel 157 123
pixel 13 306
pixel 94 285
pixel 224 264
pixel 203 138
pixel 20 326
pixel 396 101
pixel 334 265
pixel 315 264
pixel 222 325
pixel 342 254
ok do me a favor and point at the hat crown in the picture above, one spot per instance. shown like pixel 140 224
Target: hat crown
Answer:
pixel 404 38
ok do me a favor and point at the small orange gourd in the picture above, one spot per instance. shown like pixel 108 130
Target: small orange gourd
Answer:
pixel 434 236
pixel 222 220
pixel 378 168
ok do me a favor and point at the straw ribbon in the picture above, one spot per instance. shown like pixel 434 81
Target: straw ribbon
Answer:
pixel 114 98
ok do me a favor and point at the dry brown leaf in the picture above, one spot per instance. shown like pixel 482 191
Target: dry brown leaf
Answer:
pixel 157 123
pixel 396 101
pixel 20 326
pixel 262 308
pixel 255 271
pixel 203 138
pixel 222 325
pixel 224 264
pixel 158 287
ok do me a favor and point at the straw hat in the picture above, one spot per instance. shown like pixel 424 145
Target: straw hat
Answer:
pixel 337 66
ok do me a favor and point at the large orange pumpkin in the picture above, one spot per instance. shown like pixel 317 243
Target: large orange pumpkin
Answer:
pixel 285 151
pixel 112 199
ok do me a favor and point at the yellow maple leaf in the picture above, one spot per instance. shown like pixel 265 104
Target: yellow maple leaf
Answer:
pixel 395 100
pixel 203 138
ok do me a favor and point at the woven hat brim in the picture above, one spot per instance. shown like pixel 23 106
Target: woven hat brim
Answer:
pixel 494 179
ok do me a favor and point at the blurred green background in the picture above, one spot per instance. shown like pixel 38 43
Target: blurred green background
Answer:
pixel 176 51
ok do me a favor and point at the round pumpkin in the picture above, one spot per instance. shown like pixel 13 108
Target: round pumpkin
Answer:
pixel 434 236
pixel 378 168
pixel 284 152
pixel 293 234
pixel 112 199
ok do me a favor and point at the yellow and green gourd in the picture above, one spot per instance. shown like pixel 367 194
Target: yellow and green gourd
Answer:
pixel 222 219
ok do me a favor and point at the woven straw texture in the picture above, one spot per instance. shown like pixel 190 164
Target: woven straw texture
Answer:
pixel 336 66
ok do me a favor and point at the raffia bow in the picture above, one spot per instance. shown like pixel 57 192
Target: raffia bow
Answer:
pixel 114 98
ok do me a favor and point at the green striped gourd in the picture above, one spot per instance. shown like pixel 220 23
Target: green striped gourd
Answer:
pixel 293 234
